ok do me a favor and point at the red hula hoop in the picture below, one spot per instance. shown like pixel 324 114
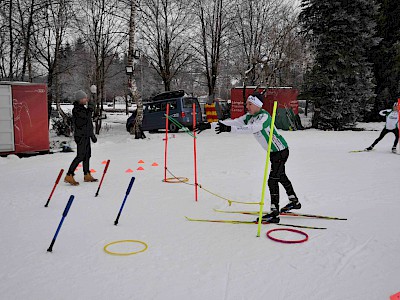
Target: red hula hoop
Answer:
pixel 288 241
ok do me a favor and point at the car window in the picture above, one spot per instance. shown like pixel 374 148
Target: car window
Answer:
pixel 154 107
pixel 161 106
pixel 172 105
pixel 188 102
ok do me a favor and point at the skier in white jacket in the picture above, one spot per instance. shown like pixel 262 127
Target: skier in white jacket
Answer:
pixel 392 125
pixel 258 122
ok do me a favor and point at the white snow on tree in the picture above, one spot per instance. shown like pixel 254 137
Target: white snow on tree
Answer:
pixel 341 81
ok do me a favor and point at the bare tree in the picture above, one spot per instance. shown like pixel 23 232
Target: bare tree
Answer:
pixel 103 30
pixel 214 21
pixel 166 31
pixel 27 11
pixel 259 30
pixel 17 41
pixel 137 127
pixel 8 40
pixel 50 33
pixel 4 44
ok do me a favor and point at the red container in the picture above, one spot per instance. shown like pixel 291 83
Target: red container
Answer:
pixel 286 97
pixel 29 115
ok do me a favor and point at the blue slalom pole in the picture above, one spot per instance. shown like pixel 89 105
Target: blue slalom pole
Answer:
pixel 123 203
pixel 65 213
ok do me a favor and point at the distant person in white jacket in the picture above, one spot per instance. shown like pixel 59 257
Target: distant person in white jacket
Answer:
pixel 392 125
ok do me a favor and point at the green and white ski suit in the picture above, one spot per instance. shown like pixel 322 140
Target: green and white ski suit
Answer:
pixel 260 126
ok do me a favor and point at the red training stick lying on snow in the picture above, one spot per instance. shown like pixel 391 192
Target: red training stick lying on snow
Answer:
pixel 102 177
pixel 55 185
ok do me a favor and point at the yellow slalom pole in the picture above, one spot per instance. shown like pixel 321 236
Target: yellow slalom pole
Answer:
pixel 271 134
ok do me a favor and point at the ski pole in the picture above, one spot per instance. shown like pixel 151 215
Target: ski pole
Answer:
pixel 271 134
pixel 180 126
pixel 123 202
pixel 398 115
pixel 54 187
pixel 65 213
pixel 102 177
pixel 166 144
pixel 195 153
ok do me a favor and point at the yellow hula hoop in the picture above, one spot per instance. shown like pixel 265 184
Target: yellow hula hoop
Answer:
pixel 126 253
pixel 176 180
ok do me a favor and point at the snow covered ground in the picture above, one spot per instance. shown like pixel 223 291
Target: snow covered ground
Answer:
pixel 354 259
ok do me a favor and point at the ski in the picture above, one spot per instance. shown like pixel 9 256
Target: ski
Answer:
pixel 252 222
pixel 289 214
pixel 357 151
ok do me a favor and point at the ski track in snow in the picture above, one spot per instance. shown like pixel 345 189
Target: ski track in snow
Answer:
pixel 353 259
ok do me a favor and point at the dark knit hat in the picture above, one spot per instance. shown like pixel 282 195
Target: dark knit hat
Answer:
pixel 258 95
pixel 79 95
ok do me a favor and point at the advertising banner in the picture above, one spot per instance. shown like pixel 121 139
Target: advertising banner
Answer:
pixel 31 130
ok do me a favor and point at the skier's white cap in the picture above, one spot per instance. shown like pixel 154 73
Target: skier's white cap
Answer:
pixel 257 102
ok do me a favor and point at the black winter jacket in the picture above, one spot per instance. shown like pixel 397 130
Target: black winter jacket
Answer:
pixel 82 119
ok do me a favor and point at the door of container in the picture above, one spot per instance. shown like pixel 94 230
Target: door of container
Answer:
pixel 6 120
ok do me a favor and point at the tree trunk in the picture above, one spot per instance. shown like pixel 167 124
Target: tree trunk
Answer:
pixel 10 75
pixel 137 128
pixel 27 38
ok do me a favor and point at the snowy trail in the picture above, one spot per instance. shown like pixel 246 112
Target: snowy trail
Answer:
pixel 354 259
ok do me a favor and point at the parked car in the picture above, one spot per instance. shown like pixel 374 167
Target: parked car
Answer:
pixel 180 108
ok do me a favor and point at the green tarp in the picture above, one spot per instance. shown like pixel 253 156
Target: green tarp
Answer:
pixel 287 120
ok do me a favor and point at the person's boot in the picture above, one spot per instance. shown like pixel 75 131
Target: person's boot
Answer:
pixel 89 178
pixel 271 217
pixel 369 148
pixel 394 150
pixel 70 179
pixel 293 204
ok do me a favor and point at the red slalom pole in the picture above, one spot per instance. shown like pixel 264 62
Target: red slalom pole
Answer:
pixel 195 152
pixel 102 178
pixel 54 187
pixel 166 144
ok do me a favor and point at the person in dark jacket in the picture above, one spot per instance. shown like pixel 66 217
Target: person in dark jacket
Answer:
pixel 83 134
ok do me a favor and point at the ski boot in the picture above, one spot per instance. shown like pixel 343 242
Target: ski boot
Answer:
pixel 394 150
pixel 293 204
pixel 89 178
pixel 272 217
pixel 369 148
pixel 70 179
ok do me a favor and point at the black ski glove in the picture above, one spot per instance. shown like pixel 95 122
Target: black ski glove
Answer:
pixel 222 128
pixel 203 126
pixel 93 138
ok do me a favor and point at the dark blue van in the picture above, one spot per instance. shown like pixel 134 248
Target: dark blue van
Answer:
pixel 180 108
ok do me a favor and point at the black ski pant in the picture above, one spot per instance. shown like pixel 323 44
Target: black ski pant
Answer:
pixel 84 152
pixel 383 133
pixel 278 175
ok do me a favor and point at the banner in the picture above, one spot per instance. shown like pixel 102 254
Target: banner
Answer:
pixel 286 98
pixel 31 130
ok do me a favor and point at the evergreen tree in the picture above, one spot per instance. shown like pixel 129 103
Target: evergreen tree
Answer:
pixel 340 82
pixel 386 57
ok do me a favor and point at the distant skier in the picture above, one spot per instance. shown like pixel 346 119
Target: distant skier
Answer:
pixel 392 125
pixel 83 133
pixel 258 122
